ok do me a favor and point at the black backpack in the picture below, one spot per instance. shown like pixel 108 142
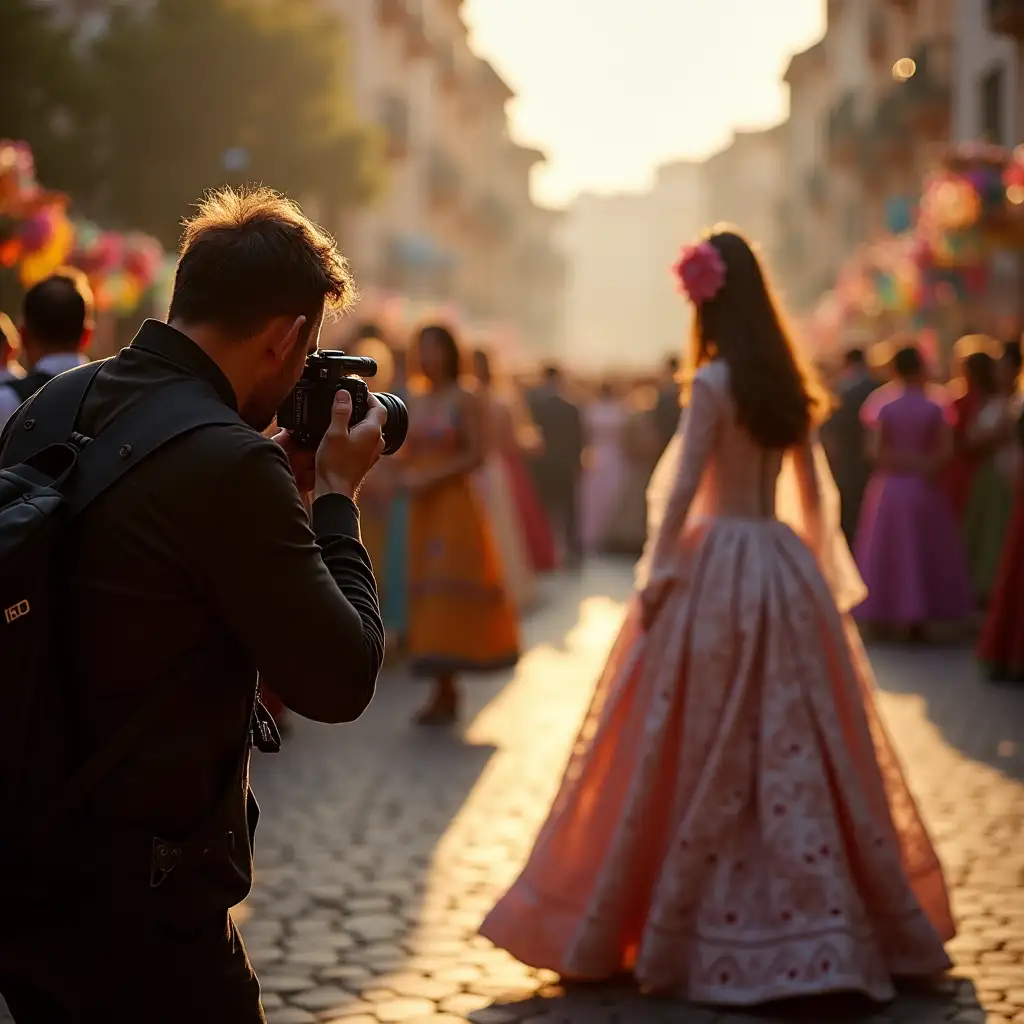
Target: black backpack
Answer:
pixel 52 475
pixel 25 387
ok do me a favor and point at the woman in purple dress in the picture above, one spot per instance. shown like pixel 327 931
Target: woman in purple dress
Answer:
pixel 909 549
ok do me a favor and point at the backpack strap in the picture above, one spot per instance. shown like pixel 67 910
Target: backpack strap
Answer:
pixel 89 775
pixel 168 412
pixel 164 414
pixel 54 410
pixel 25 387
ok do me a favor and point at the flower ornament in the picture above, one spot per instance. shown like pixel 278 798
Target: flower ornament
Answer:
pixel 701 272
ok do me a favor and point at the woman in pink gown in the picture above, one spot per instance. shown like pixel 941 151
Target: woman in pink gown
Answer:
pixel 733 826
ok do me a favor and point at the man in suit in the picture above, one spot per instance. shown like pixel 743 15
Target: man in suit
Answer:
pixel 844 440
pixel 558 465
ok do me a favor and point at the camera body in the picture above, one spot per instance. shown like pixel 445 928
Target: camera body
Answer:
pixel 306 412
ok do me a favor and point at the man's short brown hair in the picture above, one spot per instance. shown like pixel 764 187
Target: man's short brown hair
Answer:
pixel 250 255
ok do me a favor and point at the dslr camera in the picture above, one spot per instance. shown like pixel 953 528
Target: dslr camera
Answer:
pixel 306 412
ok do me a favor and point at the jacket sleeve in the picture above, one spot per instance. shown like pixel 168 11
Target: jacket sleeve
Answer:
pixel 297 592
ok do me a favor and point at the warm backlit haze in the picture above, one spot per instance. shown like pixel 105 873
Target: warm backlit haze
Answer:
pixel 610 89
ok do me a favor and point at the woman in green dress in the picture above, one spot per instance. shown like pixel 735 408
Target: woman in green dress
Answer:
pixel 990 501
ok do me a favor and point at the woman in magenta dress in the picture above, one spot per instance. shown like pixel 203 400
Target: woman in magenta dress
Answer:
pixel 909 547
pixel 733 826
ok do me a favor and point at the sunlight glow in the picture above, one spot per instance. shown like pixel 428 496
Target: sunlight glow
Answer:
pixel 611 90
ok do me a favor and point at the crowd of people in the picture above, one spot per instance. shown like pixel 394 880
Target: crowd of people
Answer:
pixel 540 471
pixel 930 477
pixel 502 480
pixel 733 826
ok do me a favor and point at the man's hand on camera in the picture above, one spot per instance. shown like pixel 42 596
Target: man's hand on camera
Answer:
pixel 303 462
pixel 346 456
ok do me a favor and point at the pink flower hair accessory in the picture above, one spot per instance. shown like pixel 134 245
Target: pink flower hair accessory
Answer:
pixel 701 272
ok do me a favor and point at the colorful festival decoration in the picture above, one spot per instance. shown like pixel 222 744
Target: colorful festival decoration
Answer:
pixel 37 237
pixel 973 202
pixel 971 207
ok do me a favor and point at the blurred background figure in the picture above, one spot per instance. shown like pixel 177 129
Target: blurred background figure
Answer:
pixel 991 439
pixel 604 470
pixel 10 348
pixel 642 438
pixel 559 461
pixel 968 393
pixel 56 327
pixel 513 439
pixel 496 489
pixel 909 549
pixel 666 409
pixel 384 505
pixel 845 439
pixel 462 617
pixel 1001 644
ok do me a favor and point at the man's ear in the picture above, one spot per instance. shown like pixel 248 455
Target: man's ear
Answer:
pixel 87 335
pixel 282 336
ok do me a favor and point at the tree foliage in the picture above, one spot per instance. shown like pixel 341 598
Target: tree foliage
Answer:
pixel 44 93
pixel 174 86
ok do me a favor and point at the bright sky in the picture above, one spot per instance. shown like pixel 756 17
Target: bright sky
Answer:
pixel 610 89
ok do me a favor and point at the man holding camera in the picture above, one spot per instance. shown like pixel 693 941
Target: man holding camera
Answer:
pixel 168 576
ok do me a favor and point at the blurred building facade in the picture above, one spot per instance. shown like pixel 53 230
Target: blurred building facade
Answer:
pixel 803 242
pixel 744 184
pixel 621 307
pixel 984 95
pixel 860 137
pixel 1005 20
pixel 455 224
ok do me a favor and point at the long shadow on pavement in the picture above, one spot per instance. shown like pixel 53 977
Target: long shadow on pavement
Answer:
pixel 603 1004
pixel 347 913
pixel 982 720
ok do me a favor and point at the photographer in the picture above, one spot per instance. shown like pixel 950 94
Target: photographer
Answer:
pixel 172 571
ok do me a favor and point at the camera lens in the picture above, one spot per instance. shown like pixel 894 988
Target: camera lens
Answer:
pixel 397 424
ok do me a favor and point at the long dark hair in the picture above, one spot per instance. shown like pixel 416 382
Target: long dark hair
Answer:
pixel 980 373
pixel 451 354
pixel 778 397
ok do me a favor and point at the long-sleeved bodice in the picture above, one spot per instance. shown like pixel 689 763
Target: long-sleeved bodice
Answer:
pixel 737 476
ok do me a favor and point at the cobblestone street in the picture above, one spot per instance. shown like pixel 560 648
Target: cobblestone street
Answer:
pixel 381 847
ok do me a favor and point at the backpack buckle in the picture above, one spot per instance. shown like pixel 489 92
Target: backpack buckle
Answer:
pixel 166 857
pixel 266 737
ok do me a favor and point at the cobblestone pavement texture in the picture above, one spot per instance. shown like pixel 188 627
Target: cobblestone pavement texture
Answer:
pixel 381 847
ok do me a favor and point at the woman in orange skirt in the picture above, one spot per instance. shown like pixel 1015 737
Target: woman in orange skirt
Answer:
pixel 461 618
